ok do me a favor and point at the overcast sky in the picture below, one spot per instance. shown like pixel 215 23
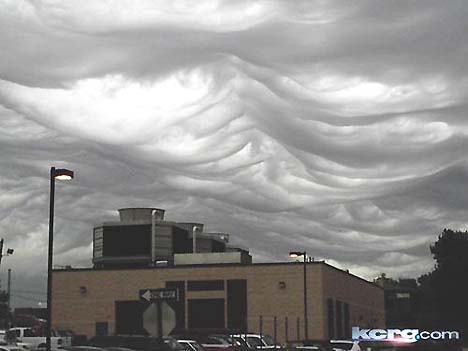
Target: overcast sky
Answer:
pixel 338 127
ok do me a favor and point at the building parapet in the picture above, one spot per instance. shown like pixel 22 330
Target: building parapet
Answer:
pixel 212 258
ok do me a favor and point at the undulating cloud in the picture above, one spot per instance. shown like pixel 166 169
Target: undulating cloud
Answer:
pixel 339 128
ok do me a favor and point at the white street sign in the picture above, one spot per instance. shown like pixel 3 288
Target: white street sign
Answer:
pixel 150 295
pixel 147 295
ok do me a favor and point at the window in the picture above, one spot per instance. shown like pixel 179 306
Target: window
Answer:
pixel 403 295
pixel 102 328
pixel 331 318
pixel 117 242
pixel 347 326
pixel 339 319
pixel 128 317
pixel 204 285
pixel 237 304
pixel 29 333
pixel 206 313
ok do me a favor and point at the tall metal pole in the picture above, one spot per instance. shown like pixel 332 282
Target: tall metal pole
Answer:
pixel 9 294
pixel 306 324
pixel 49 262
pixel 1 251
pixel 153 237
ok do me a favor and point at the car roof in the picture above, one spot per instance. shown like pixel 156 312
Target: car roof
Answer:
pixel 186 340
pixel 84 347
pixel 344 341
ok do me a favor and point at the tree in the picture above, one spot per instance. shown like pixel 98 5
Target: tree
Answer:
pixel 444 291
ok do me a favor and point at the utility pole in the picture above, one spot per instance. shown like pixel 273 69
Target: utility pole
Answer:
pixel 1 250
pixel 1 255
pixel 8 301
pixel 295 254
pixel 9 287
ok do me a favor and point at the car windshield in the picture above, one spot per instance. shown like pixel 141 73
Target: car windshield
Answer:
pixel 254 341
pixel 268 340
pixel 174 344
pixel 214 341
pixel 240 341
pixel 29 333
pixel 196 346
pixel 225 338
pixel 11 335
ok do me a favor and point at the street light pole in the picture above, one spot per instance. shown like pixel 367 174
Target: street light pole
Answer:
pixel 61 174
pixel 306 319
pixel 9 295
pixel 50 256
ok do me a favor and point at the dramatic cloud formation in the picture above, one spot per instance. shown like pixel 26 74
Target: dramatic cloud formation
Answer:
pixel 338 127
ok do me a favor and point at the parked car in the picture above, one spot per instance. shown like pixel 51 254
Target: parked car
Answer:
pixel 239 343
pixel 22 345
pixel 31 338
pixel 118 349
pixel 215 342
pixel 191 345
pixel 135 342
pixel 174 344
pixel 345 345
pixel 67 336
pixel 83 348
pixel 258 341
pixel 416 346
pixel 319 345
pixel 2 337
pixel 10 348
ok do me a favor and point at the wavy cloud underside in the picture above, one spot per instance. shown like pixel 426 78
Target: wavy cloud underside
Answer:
pixel 336 127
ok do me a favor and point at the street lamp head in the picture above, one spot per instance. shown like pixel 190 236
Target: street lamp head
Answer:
pixel 295 254
pixel 62 174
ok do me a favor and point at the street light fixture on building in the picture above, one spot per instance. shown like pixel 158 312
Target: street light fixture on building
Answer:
pixel 59 174
pixel 296 254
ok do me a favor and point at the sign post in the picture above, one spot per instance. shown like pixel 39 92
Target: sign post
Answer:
pixel 159 318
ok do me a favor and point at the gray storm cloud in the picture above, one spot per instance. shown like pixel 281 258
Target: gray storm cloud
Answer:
pixel 339 128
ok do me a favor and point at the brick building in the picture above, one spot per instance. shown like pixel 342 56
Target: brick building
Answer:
pixel 217 289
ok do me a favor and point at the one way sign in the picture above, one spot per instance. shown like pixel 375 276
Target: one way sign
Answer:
pixel 150 295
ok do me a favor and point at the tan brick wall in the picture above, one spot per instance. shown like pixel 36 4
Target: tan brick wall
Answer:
pixel 366 300
pixel 80 312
